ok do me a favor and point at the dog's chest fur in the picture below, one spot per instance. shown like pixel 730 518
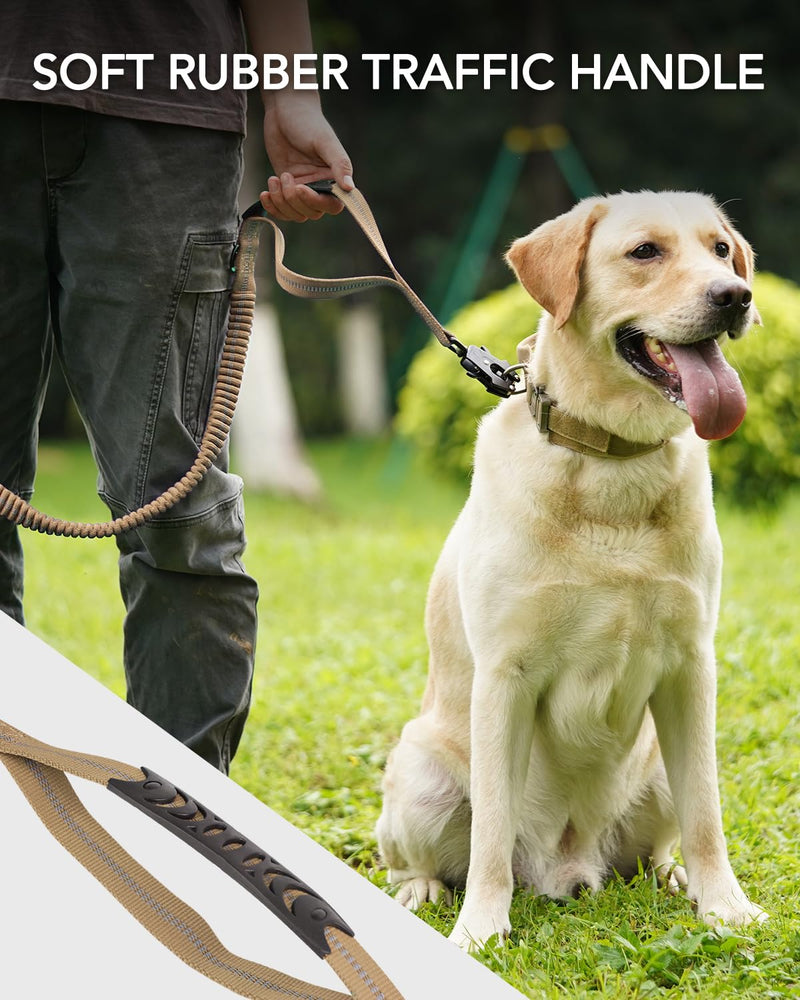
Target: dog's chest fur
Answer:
pixel 608 577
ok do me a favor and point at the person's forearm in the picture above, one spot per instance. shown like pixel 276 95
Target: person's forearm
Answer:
pixel 301 145
pixel 281 27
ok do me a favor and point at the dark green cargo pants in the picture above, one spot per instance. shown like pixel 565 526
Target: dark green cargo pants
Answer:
pixel 115 243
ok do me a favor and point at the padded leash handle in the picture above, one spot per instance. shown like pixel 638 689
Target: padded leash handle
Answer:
pixel 40 772
pixel 292 901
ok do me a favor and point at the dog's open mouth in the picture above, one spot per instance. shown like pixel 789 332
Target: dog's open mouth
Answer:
pixel 694 376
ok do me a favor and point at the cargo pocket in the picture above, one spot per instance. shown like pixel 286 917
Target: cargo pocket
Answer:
pixel 200 321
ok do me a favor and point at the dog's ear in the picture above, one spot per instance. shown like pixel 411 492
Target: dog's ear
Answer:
pixel 548 261
pixel 744 260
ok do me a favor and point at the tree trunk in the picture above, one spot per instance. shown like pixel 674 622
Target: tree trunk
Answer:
pixel 266 441
pixel 362 371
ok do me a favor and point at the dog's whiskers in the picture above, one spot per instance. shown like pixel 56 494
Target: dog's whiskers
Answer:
pixel 628 333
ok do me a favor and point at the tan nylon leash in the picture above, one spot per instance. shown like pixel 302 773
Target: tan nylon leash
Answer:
pixel 496 375
pixel 307 287
pixel 38 770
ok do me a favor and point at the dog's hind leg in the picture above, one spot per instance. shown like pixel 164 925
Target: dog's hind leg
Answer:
pixel 423 830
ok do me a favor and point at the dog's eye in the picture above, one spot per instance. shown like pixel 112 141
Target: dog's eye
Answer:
pixel 645 251
pixel 722 249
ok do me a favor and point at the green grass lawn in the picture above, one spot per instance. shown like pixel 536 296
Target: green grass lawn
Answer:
pixel 341 665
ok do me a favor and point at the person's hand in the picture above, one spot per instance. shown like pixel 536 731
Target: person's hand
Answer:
pixel 302 147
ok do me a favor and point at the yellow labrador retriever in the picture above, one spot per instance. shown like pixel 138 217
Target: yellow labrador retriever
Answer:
pixel 567 728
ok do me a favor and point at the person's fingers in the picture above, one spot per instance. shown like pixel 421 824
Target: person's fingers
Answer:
pixel 290 201
pixel 343 173
pixel 309 204
pixel 303 148
pixel 340 165
pixel 275 202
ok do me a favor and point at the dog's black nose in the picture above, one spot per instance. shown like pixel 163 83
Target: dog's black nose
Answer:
pixel 731 293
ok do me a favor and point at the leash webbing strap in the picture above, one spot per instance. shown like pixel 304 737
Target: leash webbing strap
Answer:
pixel 494 374
pixel 39 771
pixel 307 287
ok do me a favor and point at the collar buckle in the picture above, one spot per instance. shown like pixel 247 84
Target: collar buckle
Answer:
pixel 540 408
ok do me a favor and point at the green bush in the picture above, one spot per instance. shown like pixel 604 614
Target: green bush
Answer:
pixel 440 407
pixel 761 460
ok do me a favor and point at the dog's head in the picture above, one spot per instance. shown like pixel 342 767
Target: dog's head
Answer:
pixel 640 288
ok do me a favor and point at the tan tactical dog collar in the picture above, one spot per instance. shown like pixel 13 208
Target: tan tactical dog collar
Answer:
pixel 569 432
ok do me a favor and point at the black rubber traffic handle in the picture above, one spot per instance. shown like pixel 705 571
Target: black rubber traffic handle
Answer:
pixel 289 898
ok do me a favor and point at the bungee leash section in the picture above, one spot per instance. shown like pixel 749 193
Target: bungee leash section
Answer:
pixel 40 772
pixel 223 403
pixel 497 376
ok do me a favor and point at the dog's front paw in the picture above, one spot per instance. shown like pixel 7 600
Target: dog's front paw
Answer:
pixel 473 930
pixel 415 891
pixel 732 908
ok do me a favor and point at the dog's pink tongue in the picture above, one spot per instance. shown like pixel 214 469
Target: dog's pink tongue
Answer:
pixel 711 389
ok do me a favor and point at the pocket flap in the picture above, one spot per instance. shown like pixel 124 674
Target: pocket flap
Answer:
pixel 209 267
